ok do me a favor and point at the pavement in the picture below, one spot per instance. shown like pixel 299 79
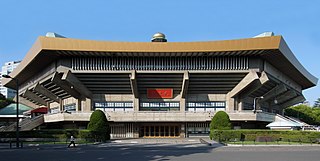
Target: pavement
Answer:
pixel 160 150
pixel 168 142
pixel 183 142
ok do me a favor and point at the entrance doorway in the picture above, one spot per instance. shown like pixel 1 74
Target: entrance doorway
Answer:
pixel 159 131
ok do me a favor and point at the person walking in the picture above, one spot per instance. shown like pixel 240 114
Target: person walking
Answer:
pixel 72 141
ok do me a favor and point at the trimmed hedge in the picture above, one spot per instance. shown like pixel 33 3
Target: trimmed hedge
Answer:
pixel 251 135
pixel 52 133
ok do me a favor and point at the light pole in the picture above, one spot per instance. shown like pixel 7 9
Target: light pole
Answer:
pixel 17 110
pixel 254 103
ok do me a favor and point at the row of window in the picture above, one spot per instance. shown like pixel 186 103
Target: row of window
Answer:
pixel 113 104
pixel 159 104
pixel 214 104
pixel 206 104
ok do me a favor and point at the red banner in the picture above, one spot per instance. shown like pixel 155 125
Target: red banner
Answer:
pixel 160 93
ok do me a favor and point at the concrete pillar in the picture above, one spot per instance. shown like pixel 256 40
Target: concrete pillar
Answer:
pixel 86 105
pixel 136 104
pixel 79 105
pixel 229 103
pixel 240 105
pixel 182 105
pixel 48 105
pixel 182 131
pixel 61 105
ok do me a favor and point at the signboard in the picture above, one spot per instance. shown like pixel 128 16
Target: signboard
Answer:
pixel 158 93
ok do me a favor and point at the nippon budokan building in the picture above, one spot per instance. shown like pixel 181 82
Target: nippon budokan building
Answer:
pixel 160 88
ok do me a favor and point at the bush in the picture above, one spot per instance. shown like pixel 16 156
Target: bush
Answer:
pixel 61 134
pixel 99 126
pixel 251 135
pixel 220 121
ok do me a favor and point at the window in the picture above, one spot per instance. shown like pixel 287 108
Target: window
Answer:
pixel 159 106
pixel 220 105
pixel 205 106
pixel 191 104
pixel 113 104
pixel 70 107
pixel 128 104
pixel 176 104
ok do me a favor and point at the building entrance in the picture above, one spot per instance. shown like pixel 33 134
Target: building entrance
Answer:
pixel 160 131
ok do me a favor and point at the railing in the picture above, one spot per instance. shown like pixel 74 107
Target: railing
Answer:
pixel 25 124
pixel 32 123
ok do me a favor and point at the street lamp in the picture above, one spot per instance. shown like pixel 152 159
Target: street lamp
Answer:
pixel 254 103
pixel 17 103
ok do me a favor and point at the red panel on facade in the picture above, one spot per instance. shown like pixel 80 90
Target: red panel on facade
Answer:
pixel 42 110
pixel 160 93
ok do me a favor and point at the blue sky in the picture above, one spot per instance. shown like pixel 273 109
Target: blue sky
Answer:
pixel 21 22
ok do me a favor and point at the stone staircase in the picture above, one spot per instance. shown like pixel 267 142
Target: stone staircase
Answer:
pixel 26 124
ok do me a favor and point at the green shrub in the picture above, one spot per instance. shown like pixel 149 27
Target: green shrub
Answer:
pixel 61 134
pixel 99 126
pixel 220 121
pixel 251 135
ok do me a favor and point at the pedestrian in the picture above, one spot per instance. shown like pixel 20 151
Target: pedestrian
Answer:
pixel 72 141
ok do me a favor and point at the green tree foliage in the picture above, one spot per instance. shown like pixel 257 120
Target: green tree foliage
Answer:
pixel 99 126
pixel 304 113
pixel 2 97
pixel 4 101
pixel 317 103
pixel 220 121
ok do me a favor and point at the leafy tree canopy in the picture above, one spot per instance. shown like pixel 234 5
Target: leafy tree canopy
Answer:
pixel 4 101
pixel 2 97
pixel 305 113
pixel 317 103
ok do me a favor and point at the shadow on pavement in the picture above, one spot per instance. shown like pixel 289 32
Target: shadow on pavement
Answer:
pixel 108 151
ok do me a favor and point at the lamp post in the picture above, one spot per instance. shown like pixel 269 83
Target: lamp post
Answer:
pixel 17 110
pixel 254 103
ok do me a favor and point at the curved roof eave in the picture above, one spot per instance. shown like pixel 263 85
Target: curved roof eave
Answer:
pixel 285 50
pixel 262 43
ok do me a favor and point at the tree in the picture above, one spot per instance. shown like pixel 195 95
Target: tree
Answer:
pixel 4 101
pixel 99 126
pixel 220 121
pixel 317 103
pixel 305 113
pixel 2 97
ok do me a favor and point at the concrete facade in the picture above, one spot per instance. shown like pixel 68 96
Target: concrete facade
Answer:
pixel 235 76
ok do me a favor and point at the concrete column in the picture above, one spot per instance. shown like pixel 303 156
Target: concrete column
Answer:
pixel 183 131
pixel 135 130
pixel 136 104
pixel 79 105
pixel 86 105
pixel 229 103
pixel 61 104
pixel 236 104
pixel 182 105
pixel 240 105
pixel 48 105
pixel 185 84
pixel 133 83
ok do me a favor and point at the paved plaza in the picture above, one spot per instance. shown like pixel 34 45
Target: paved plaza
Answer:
pixel 145 150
